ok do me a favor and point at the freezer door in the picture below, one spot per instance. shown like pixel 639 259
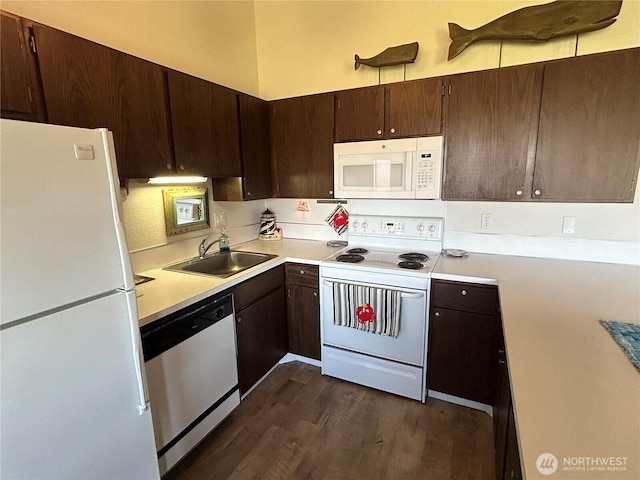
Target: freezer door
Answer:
pixel 61 235
pixel 70 396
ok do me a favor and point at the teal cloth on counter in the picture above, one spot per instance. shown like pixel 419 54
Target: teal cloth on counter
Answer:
pixel 627 335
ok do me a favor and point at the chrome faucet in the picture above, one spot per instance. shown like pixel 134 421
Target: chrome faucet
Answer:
pixel 202 250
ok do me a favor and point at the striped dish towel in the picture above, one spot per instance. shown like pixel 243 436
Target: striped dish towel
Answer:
pixel 375 310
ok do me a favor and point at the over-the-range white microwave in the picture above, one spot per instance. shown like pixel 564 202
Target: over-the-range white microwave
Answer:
pixel 398 168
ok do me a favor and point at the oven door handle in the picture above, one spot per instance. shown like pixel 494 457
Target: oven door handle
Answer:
pixel 404 294
pixel 412 295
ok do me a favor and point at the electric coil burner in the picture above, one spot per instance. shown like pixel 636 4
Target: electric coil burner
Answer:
pixel 350 258
pixel 411 265
pixel 386 258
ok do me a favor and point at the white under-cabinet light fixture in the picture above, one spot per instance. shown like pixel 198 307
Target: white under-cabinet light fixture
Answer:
pixel 176 180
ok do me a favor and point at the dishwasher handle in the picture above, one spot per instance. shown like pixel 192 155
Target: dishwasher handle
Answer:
pixel 174 329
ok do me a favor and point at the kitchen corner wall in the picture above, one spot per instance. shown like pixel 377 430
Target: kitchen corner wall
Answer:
pixel 149 246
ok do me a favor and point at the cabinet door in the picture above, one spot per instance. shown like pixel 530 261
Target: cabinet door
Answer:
pixel 414 108
pixel 492 117
pixel 512 466
pixel 204 119
pixel 359 114
pixel 89 85
pixel 302 146
pixel 589 138
pixel 261 332
pixel 256 159
pixel 20 95
pixel 501 403
pixel 303 321
pixel 460 354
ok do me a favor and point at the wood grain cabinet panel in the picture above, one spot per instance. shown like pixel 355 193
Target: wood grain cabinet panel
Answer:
pixel 262 337
pixel 302 146
pixel 491 124
pixel 256 159
pixel 204 119
pixel 589 134
pixel 359 114
pixel 414 108
pixel 407 109
pixel 20 93
pixel 88 85
pixel 303 309
pixel 261 325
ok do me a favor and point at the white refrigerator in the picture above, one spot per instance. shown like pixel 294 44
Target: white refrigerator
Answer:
pixel 73 398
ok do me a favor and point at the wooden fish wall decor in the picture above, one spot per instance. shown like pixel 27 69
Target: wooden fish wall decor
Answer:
pixel 539 22
pixel 399 55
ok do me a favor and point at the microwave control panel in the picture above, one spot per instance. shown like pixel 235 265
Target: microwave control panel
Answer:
pixel 428 165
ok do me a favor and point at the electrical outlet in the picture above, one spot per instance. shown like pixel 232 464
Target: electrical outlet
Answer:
pixel 219 219
pixel 486 221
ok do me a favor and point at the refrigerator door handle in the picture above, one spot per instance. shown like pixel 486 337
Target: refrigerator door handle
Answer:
pixel 138 359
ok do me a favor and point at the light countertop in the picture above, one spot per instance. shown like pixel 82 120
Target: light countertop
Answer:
pixel 171 291
pixel 575 393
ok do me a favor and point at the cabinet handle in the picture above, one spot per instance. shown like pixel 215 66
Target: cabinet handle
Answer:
pixel 315 294
pixel 168 165
pixel 519 193
pixel 501 361
pixel 437 314
pixel 248 194
pixel 330 192
pixel 537 192
pixel 501 351
pixel 301 272
pixel 463 293
pixel 239 319
pixel 379 132
pixel 181 167
pixel 393 130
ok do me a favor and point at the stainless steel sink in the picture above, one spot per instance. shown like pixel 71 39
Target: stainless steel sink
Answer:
pixel 221 265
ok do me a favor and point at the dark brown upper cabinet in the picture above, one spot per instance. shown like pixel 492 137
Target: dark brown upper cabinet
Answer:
pixel 256 159
pixel 204 119
pixel 89 85
pixel 589 134
pixel 302 146
pixel 407 109
pixel 561 131
pixel 491 123
pixel 20 93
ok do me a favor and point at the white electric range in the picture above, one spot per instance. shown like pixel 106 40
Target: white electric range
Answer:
pixel 374 297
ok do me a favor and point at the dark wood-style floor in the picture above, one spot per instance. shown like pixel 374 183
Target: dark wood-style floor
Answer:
pixel 298 424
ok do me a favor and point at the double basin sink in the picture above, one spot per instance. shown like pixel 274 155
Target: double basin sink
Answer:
pixel 221 265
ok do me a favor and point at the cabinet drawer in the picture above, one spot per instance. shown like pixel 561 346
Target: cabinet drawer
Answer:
pixel 254 289
pixel 302 274
pixel 465 296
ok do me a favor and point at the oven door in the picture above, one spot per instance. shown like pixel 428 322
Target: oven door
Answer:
pixel 408 347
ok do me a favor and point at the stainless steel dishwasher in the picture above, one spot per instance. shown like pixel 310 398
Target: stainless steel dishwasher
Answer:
pixel 192 374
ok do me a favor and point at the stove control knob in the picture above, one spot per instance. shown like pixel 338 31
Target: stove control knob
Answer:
pixel 421 227
pixel 355 223
pixel 365 224
pixel 432 227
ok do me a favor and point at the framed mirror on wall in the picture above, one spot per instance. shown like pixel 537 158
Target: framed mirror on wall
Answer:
pixel 186 209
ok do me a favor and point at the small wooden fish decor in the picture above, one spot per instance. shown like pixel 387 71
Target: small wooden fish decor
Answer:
pixel 402 54
pixel 539 22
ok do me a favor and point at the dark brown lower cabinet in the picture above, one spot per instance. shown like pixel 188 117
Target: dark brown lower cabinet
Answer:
pixel 512 466
pixel 461 340
pixel 303 310
pixel 261 326
pixel 460 354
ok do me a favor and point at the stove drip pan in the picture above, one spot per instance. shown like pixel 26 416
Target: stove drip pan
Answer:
pixel 414 257
pixel 359 251
pixel 349 258
pixel 412 265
